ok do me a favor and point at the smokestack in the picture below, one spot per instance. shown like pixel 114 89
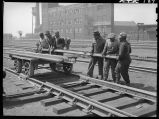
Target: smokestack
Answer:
pixel 37 18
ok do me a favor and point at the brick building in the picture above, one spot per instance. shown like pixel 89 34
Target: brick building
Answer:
pixel 77 21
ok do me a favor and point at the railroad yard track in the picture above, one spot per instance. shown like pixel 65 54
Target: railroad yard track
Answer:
pixel 88 95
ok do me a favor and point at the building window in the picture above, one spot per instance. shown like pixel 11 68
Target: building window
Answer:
pixel 61 30
pixel 66 30
pixel 70 30
pixel 76 30
pixel 80 30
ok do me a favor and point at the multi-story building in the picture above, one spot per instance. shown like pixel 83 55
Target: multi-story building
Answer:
pixel 77 21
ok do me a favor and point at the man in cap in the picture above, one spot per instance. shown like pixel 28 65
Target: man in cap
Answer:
pixel 111 47
pixel 59 42
pixel 50 41
pixel 124 59
pixel 67 43
pixel 97 47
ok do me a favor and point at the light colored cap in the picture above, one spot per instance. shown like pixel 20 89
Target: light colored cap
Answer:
pixel 111 35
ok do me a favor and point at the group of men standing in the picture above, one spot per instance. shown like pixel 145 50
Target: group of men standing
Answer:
pixel 112 45
pixel 47 41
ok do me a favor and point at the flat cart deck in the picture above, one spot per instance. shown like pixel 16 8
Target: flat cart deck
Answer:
pixel 27 62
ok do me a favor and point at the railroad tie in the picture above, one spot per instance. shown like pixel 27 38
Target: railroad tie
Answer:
pixel 51 101
pixel 63 108
pixel 27 99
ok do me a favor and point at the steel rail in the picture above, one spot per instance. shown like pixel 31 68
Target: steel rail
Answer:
pixel 99 55
pixel 151 96
pixel 85 61
pixel 76 99
pixel 134 57
pixel 37 55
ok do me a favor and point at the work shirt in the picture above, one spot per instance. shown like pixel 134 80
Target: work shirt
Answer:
pixel 59 43
pixel 98 46
pixel 124 51
pixel 44 44
pixel 111 47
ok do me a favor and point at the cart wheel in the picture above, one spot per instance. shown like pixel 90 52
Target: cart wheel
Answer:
pixel 53 67
pixel 67 68
pixel 18 65
pixel 27 68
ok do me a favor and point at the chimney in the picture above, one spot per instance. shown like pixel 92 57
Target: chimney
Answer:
pixel 37 18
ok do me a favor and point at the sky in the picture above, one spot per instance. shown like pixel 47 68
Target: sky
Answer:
pixel 18 15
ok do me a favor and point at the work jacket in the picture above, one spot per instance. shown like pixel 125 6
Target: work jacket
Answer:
pixel 111 47
pixel 98 46
pixel 124 52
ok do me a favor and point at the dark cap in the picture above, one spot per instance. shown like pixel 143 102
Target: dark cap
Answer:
pixel 41 34
pixel 96 33
pixel 47 33
pixel 57 32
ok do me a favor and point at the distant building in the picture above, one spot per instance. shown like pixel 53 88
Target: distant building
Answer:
pixel 77 21
pixel 152 33
pixel 125 26
pixel 7 36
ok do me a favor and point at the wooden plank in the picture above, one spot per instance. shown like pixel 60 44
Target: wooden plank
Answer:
pixel 26 99
pixel 63 108
pixel 51 101
pixel 53 58
pixel 121 102
pixel 23 93
pixel 76 89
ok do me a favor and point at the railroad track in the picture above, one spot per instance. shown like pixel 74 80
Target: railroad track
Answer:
pixel 97 97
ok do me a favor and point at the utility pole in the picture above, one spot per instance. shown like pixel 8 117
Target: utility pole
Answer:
pixel 112 17
pixel 32 25
pixel 139 27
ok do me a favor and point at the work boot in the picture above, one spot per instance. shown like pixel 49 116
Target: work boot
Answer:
pixel 127 84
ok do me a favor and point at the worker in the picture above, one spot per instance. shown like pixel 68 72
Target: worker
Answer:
pixel 111 48
pixel 39 43
pixel 50 41
pixel 67 43
pixel 59 42
pixel 124 59
pixel 97 47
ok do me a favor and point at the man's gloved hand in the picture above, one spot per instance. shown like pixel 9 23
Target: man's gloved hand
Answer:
pixel 117 57
pixel 91 54
pixel 103 54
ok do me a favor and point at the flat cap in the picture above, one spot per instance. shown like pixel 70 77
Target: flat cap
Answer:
pixel 96 33
pixel 111 35
pixel 123 34
pixel 47 32
pixel 41 34
pixel 56 32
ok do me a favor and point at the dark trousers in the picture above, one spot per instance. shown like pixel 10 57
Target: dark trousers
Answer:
pixel 92 63
pixel 122 68
pixel 109 63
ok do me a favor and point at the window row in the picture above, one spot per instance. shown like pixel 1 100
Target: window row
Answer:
pixel 70 22
pixel 65 12
pixel 70 30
